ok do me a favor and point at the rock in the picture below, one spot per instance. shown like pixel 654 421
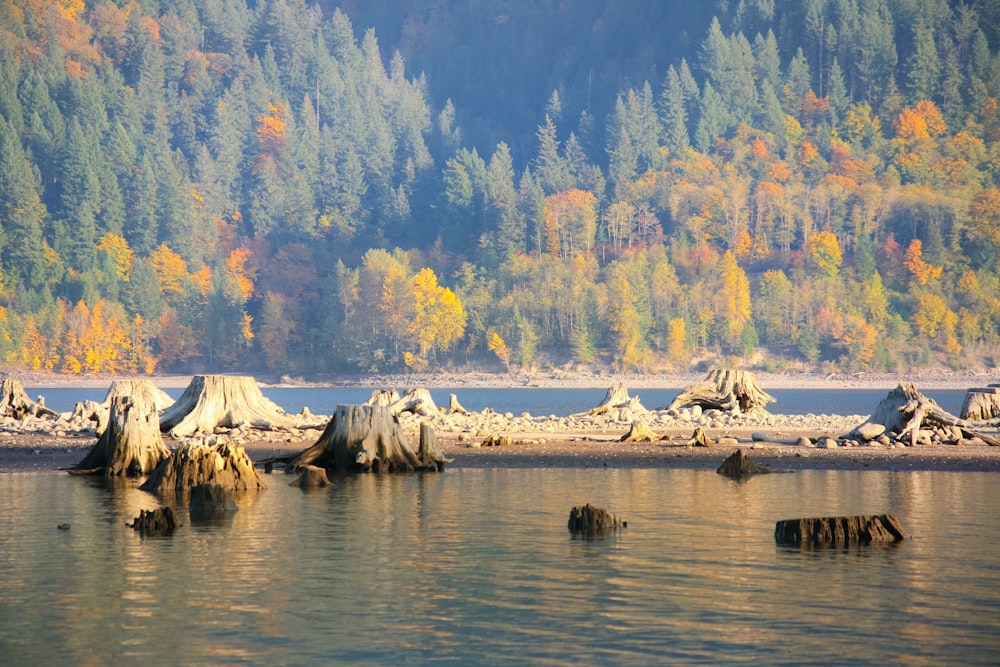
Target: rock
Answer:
pixel 740 466
pixel 590 521
pixel 760 437
pixel 869 431
pixel 826 442
pixel 728 441
pixel 839 531
pixel 803 441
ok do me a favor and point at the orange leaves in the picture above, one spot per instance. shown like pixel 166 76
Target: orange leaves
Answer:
pixel 97 340
pixel 499 347
pixel 920 122
pixel 170 269
pixel 272 129
pixel 240 272
pixel 570 222
pixel 914 262
pixel 823 253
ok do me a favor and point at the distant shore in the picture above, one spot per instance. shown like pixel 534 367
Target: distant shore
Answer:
pixel 922 379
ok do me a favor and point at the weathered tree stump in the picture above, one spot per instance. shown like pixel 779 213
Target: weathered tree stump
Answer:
pixel 428 451
pixel 640 432
pixel 732 391
pixel 700 439
pixel 131 445
pixel 839 531
pixel 905 410
pixel 589 521
pixel 211 401
pixel 454 407
pixel 981 404
pixel 362 438
pixel 14 402
pixel 156 522
pixel 312 477
pixel 95 412
pixel 224 464
pixel 417 401
pixel 383 397
pixel 617 398
pixel 740 466
pixel 141 391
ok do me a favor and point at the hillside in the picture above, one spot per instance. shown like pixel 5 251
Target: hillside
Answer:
pixel 384 186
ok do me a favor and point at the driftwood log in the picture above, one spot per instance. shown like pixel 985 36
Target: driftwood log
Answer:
pixel 732 391
pixel 909 415
pixel 14 402
pixel 367 438
pixel 224 464
pixel 741 466
pixel 981 404
pixel 131 445
pixel 211 401
pixel 589 521
pixel 839 531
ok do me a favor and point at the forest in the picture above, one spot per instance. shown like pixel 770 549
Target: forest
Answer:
pixel 287 187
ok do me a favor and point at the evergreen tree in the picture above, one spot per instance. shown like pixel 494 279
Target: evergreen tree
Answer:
pixel 673 110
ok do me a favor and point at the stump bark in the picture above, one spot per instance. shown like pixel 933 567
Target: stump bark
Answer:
pixel 14 402
pixel 740 466
pixel 905 410
pixel 589 521
pixel 981 404
pixel 211 401
pixel 732 391
pixel 363 438
pixel 224 464
pixel 131 445
pixel 839 531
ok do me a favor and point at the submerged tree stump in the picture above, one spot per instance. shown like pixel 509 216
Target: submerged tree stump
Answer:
pixel 589 521
pixel 732 391
pixel 14 402
pixel 905 411
pixel 131 445
pixel 981 404
pixel 312 477
pixel 224 464
pixel 740 466
pixel 365 438
pixel 211 401
pixel 839 531
pixel 156 522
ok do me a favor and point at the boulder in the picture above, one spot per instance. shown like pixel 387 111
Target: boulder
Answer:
pixel 869 431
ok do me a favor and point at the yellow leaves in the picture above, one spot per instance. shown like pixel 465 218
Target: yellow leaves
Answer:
pixel 439 319
pixel 823 253
pixel 240 272
pixel 170 269
pixel 245 329
pixel 570 222
pixel 934 319
pixel 677 340
pixel 499 347
pixel 272 129
pixel 120 254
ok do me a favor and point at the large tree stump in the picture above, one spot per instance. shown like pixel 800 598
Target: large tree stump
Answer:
pixel 224 464
pixel 732 391
pixel 981 404
pixel 839 531
pixel 589 521
pixel 142 391
pixel 905 410
pixel 617 398
pixel 211 401
pixel 131 445
pixel 417 401
pixel 363 438
pixel 384 397
pixel 14 402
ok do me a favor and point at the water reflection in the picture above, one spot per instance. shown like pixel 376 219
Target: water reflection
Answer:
pixel 477 566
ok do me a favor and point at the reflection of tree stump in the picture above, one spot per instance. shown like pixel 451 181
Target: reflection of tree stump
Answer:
pixel 364 438
pixel 225 464
pixel 131 445
pixel 14 402
pixel 905 410
pixel 728 390
pixel 211 401
pixel 981 404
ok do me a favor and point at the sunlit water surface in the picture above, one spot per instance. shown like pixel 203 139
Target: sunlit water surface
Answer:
pixel 477 567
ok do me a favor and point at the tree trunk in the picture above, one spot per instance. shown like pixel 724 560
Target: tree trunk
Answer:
pixel 131 445
pixel 211 401
pixel 429 453
pixel 363 438
pixel 981 404
pixel 224 464
pixel 905 410
pixel 728 390
pixel 14 402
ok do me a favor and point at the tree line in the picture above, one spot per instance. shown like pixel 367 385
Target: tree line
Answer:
pixel 225 185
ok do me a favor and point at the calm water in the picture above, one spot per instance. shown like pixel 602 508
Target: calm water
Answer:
pixel 547 401
pixel 476 567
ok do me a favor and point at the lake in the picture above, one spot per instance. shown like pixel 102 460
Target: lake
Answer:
pixel 475 566
pixel 542 401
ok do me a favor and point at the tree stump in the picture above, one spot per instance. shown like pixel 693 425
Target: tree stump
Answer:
pixel 981 404
pixel 740 466
pixel 700 439
pixel 145 389
pixel 14 402
pixel 383 397
pixel 312 477
pixel 454 407
pixel 732 391
pixel 905 410
pixel 362 438
pixel 224 464
pixel 589 521
pixel 211 401
pixel 640 432
pixel 428 451
pixel 156 522
pixel 416 401
pixel 839 531
pixel 617 398
pixel 131 445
